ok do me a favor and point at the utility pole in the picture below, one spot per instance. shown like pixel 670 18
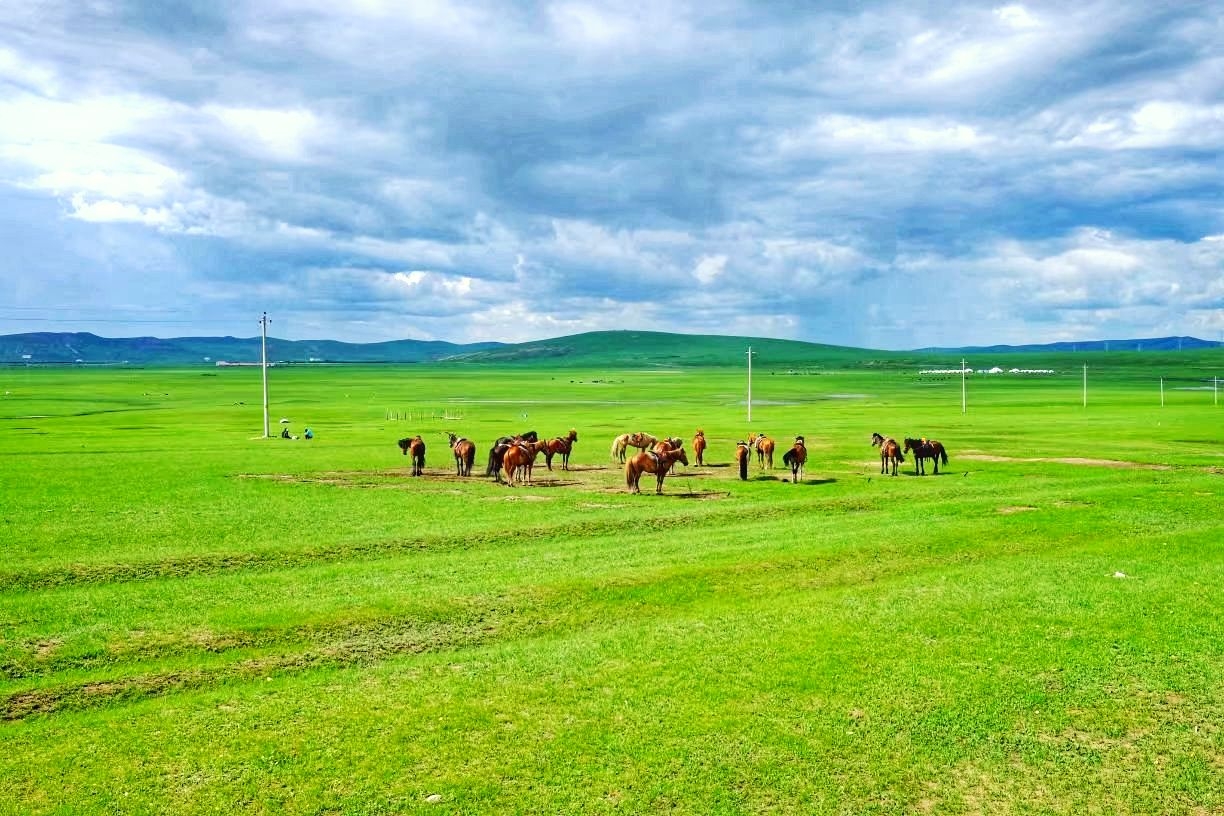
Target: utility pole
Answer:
pixel 263 325
pixel 750 353
pixel 1085 385
pixel 963 404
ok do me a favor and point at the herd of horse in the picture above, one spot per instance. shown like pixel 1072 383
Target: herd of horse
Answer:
pixel 512 458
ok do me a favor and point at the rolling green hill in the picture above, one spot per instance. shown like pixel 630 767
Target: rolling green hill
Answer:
pixel 667 350
pixel 604 349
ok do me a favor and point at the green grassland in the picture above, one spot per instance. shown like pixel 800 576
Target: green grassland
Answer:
pixel 197 620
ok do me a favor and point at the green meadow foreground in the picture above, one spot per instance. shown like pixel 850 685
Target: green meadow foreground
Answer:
pixel 197 620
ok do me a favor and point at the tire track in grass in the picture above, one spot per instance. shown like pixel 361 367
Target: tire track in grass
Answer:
pixel 223 563
pixel 534 612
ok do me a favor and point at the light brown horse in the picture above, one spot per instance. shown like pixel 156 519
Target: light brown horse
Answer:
pixel 796 457
pixel 890 452
pixel 637 439
pixel 743 455
pixel 562 445
pixel 519 459
pixel 650 462
pixel 699 446
pixel 465 454
pixel 415 446
pixel 764 448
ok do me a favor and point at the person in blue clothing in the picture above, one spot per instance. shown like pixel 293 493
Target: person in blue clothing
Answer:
pixel 308 434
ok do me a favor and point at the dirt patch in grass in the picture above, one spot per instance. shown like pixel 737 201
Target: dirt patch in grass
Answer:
pixel 1016 508
pixel 1066 460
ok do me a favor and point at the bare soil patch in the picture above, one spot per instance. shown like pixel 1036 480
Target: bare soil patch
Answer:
pixel 1066 460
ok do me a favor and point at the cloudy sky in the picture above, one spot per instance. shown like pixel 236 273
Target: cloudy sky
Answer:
pixel 877 174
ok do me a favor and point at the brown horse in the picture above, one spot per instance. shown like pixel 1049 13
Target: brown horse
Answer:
pixel 926 449
pixel 465 454
pixel 519 459
pixel 699 446
pixel 499 449
pixel 796 457
pixel 415 446
pixel 650 462
pixel 890 452
pixel 743 455
pixel 668 443
pixel 562 445
pixel 764 448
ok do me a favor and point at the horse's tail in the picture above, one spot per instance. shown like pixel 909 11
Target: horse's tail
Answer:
pixel 469 458
pixel 629 473
pixel 944 454
pixel 788 458
pixel 615 445
pixel 743 463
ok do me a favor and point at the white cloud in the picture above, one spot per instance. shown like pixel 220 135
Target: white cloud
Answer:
pixel 710 268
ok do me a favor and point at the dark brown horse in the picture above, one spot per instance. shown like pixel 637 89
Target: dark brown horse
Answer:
pixel 699 446
pixel 465 454
pixel 518 461
pixel 415 446
pixel 764 448
pixel 890 452
pixel 562 445
pixel 650 462
pixel 743 455
pixel 796 458
pixel 926 449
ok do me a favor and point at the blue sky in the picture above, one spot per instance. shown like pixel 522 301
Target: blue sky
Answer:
pixel 887 175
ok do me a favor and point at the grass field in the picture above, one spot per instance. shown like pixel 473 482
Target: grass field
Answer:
pixel 197 620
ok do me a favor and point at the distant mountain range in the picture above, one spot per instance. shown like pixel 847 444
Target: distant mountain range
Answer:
pixel 1144 344
pixel 82 347
pixel 625 348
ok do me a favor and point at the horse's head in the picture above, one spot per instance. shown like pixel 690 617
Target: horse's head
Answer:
pixel 403 445
pixel 876 439
pixel 680 456
pixel 799 440
pixel 909 444
pixel 573 435
pixel 451 438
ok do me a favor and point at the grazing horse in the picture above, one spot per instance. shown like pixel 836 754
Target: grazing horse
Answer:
pixel 699 446
pixel 562 445
pixel 764 448
pixel 743 454
pixel 796 457
pixel 619 444
pixel 416 446
pixel 519 459
pixel 890 452
pixel 651 462
pixel 465 454
pixel 926 449
pixel 637 439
